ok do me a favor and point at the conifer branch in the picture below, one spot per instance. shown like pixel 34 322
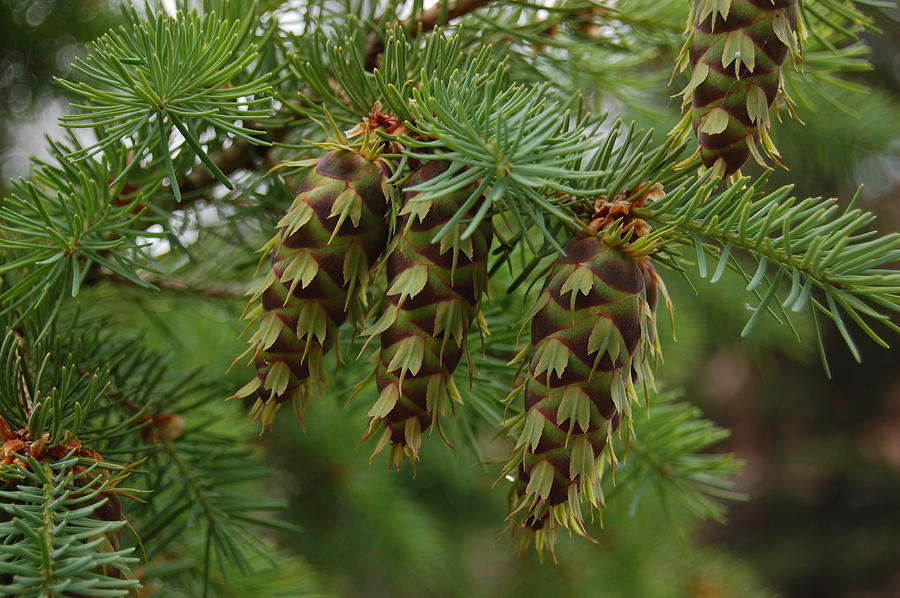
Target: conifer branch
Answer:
pixel 670 453
pixel 55 541
pixel 429 130
pixel 810 243
pixel 242 154
pixel 64 220
pixel 831 21
pixel 130 94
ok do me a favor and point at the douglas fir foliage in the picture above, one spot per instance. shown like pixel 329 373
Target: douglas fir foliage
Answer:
pixel 448 217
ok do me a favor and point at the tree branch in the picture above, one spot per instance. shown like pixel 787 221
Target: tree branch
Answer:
pixel 213 290
pixel 438 14
pixel 240 155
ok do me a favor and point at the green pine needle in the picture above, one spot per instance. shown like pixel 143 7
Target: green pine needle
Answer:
pixel 190 72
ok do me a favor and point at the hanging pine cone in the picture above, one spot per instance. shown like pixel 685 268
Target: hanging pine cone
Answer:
pixel 592 333
pixel 321 257
pixel 434 292
pixel 736 51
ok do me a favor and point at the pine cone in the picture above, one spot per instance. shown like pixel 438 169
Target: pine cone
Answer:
pixel 736 52
pixel 434 292
pixel 592 334
pixel 321 256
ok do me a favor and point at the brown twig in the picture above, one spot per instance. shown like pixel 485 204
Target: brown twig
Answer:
pixel 237 157
pixel 439 14
pixel 436 15
pixel 240 155
pixel 215 290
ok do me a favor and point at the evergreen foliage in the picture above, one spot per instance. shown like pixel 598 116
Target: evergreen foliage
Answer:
pixel 433 185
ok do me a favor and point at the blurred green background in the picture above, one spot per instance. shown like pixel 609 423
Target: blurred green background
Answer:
pixel 822 456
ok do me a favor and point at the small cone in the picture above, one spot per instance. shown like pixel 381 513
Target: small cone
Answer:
pixel 593 333
pixel 434 292
pixel 325 246
pixel 736 49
